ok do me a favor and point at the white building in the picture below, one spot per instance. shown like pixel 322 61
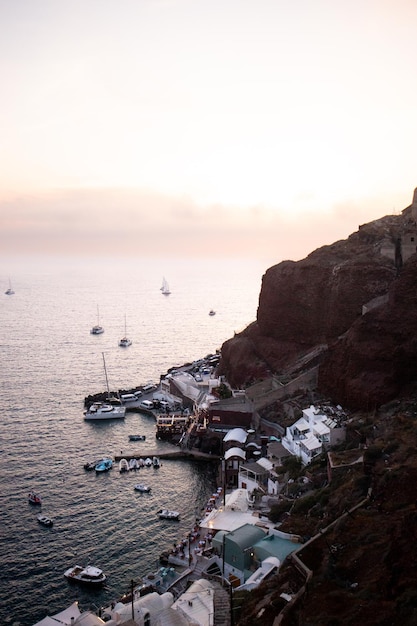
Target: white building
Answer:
pixel 312 434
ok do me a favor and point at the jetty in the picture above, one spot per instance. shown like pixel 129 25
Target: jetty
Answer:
pixel 189 454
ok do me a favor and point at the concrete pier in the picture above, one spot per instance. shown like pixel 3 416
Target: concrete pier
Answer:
pixel 190 455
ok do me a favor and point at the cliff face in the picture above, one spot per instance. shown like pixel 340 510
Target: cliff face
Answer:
pixel 319 301
pixel 376 359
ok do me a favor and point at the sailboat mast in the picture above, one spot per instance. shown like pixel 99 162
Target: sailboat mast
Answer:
pixel 105 373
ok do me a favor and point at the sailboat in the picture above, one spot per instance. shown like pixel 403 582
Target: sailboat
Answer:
pixel 105 410
pixel 165 287
pixel 125 342
pixel 97 329
pixel 9 291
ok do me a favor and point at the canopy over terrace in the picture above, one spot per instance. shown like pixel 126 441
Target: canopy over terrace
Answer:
pixel 236 434
pixel 234 514
pixel 64 617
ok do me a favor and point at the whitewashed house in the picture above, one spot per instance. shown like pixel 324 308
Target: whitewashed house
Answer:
pixel 312 434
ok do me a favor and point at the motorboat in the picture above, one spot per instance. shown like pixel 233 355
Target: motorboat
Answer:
pixel 34 498
pixel 211 312
pixel 137 437
pixel 89 575
pixel 167 514
pixel 44 520
pixel 142 488
pixel 97 329
pixel 148 462
pixel 104 465
pixel 123 466
pixel 155 462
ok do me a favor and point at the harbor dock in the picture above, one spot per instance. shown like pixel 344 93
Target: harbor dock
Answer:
pixel 191 455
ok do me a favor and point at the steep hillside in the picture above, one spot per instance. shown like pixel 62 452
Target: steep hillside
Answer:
pixel 320 300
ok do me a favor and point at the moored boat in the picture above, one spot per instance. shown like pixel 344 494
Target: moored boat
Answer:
pixel 167 514
pixel 104 411
pixel 155 462
pixel 142 488
pixel 123 465
pixel 92 576
pixel 34 498
pixel 133 464
pixel 44 520
pixel 97 329
pixel 104 465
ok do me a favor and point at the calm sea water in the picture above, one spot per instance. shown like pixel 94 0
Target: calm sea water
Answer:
pixel 49 363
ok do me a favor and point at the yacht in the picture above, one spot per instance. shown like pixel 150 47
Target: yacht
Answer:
pixel 89 575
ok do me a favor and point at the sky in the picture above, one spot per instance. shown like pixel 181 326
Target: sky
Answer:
pixel 236 128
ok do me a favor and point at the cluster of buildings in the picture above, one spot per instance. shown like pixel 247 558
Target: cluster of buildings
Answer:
pixel 244 547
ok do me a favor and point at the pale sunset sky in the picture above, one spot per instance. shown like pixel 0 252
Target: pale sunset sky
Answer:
pixel 255 128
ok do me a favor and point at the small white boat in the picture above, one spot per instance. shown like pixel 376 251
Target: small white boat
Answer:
pixel 104 465
pixel 165 287
pixel 148 462
pixel 34 498
pixel 89 575
pixel 97 329
pixel 167 514
pixel 142 488
pixel 133 464
pixel 44 520
pixel 125 342
pixel 155 462
pixel 123 466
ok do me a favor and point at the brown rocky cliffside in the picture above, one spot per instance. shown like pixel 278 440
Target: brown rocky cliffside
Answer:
pixel 317 301
pixel 376 359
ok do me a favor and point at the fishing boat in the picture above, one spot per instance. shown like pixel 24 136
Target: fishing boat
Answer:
pixel 125 342
pixel 44 520
pixel 104 465
pixel 34 498
pixel 165 287
pixel 9 291
pixel 97 329
pixel 142 488
pixel 167 514
pixel 92 576
pixel 105 410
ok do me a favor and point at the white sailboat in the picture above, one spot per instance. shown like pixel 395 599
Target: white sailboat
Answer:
pixel 105 410
pixel 9 291
pixel 97 329
pixel 165 287
pixel 125 342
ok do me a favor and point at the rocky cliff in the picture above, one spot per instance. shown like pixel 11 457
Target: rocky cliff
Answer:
pixel 321 300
